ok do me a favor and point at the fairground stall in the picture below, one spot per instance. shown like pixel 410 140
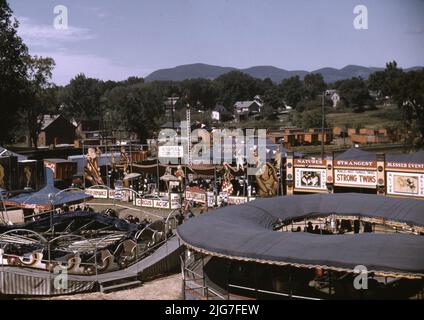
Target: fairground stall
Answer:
pixel 358 171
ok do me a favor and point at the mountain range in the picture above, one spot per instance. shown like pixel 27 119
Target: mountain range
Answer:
pixel 206 71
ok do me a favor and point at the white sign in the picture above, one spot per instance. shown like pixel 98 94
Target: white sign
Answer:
pixel 237 200
pixel 355 178
pixel 97 193
pixel 171 151
pixel 409 184
pixel 146 202
pixel 163 204
pixel 310 178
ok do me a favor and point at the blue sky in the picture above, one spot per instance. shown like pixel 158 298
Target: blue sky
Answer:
pixel 116 39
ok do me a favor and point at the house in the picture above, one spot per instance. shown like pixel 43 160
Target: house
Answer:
pixel 220 113
pixel 56 130
pixel 245 109
pixel 334 96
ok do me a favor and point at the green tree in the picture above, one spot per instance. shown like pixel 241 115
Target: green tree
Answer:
pixel 354 92
pixel 13 54
pixel 134 108
pixel 385 82
pixel 39 96
pixel 293 90
pixel 81 98
pixel 314 85
pixel 310 119
pixel 236 86
pixel 408 94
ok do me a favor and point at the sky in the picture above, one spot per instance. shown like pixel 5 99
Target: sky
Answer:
pixel 110 39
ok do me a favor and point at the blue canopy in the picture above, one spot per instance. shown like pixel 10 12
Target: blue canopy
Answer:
pixel 361 155
pixel 357 154
pixel 47 197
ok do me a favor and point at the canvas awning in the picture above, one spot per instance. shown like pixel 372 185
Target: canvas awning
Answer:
pixel 245 232
pixel 42 200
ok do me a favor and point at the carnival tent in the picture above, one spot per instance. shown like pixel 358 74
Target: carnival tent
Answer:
pixel 356 154
pixel 362 155
pixel 42 199
pixel 417 157
pixel 5 152
pixel 245 232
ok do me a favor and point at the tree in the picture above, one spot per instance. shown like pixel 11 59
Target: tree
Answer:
pixel 272 102
pixel 38 94
pixel 314 85
pixel 293 90
pixel 310 119
pixel 354 92
pixel 81 98
pixel 236 86
pixel 200 91
pixel 408 93
pixel 13 54
pixel 384 82
pixel 135 108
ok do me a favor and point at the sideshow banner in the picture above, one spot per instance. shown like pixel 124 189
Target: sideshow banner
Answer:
pixel 407 184
pixel 28 174
pixel 200 197
pixel 310 178
pixel 9 173
pixel 355 178
pixel 97 193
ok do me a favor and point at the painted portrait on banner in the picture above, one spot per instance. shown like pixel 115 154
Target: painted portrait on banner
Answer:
pixel 309 178
pixel 411 184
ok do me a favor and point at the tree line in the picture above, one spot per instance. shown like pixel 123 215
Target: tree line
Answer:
pixel 27 92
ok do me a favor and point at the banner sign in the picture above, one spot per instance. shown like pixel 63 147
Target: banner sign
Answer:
pixel 237 200
pixel 309 162
pixel 171 151
pixel 355 178
pixel 355 163
pixel 310 178
pixel 403 166
pixel 163 204
pixel 195 196
pixel 405 184
pixel 97 193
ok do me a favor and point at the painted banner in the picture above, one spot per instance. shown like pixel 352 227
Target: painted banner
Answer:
pixel 355 178
pixel 97 193
pixel 310 178
pixel 200 197
pixel 171 151
pixel 405 184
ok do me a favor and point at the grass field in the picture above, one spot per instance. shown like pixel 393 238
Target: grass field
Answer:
pixel 375 119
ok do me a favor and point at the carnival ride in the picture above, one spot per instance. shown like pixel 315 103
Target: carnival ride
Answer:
pixel 91 248
pixel 246 251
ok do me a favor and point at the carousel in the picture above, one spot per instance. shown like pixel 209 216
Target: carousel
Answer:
pixel 307 247
pixel 65 247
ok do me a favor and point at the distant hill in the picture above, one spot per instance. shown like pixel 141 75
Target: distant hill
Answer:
pixel 206 71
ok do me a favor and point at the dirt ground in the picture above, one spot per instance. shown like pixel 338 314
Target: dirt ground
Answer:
pixel 166 288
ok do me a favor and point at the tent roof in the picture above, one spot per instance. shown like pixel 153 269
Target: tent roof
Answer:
pixel 356 154
pixel 5 152
pixel 362 155
pixel 417 157
pixel 40 199
pixel 245 232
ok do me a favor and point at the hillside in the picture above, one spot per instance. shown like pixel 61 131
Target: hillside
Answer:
pixel 201 70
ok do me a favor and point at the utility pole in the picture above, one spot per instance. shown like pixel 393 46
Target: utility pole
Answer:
pixel 323 125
